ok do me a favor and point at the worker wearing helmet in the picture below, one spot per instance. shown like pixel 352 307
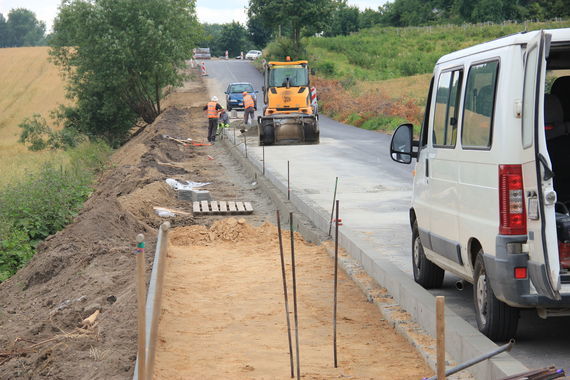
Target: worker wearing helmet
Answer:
pixel 248 107
pixel 212 109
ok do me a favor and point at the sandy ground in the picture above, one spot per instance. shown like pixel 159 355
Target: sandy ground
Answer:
pixel 224 315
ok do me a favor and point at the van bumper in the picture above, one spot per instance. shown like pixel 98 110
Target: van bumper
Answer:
pixel 501 275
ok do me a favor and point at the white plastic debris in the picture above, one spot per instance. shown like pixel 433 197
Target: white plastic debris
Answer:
pixel 164 213
pixel 189 185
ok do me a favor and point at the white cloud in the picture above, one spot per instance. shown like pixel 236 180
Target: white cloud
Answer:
pixel 372 4
pixel 221 16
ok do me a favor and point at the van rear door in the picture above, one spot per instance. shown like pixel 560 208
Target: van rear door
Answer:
pixel 544 265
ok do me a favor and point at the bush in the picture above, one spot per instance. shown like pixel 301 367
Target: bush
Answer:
pixel 285 47
pixel 384 123
pixel 45 202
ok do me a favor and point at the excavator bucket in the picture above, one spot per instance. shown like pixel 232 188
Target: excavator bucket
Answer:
pixel 285 129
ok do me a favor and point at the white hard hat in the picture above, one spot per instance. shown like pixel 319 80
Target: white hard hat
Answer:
pixel 214 98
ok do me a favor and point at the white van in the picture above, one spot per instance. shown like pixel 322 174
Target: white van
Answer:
pixel 492 178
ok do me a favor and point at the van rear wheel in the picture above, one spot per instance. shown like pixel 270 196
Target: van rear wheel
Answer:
pixel 497 320
pixel 426 273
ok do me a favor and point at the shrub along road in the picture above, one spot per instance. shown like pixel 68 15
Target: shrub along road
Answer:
pixel 374 195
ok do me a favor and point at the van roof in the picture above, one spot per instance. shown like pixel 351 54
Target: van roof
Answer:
pixel 514 39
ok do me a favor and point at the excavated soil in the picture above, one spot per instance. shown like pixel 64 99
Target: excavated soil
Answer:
pixel 229 307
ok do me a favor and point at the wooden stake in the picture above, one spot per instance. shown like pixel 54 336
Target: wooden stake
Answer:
pixel 440 331
pixel 141 305
pixel 284 276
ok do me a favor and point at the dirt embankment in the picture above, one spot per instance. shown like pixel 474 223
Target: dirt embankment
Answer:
pixel 90 265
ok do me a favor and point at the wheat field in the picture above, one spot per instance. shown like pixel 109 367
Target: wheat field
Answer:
pixel 29 84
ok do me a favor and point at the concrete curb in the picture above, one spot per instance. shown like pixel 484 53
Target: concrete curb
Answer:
pixel 463 342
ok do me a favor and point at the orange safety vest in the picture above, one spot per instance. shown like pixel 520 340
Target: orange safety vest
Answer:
pixel 248 101
pixel 212 111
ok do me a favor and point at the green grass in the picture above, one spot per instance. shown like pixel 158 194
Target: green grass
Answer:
pixel 386 53
pixel 44 202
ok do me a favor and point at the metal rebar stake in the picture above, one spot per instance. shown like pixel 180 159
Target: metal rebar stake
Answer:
pixel 334 200
pixel 263 154
pixel 335 285
pixel 284 277
pixel 288 186
pixel 295 296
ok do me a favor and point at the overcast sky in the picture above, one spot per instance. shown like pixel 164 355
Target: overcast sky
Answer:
pixel 210 11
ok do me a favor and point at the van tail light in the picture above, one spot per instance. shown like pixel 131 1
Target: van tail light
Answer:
pixel 511 201
pixel 520 273
pixel 564 254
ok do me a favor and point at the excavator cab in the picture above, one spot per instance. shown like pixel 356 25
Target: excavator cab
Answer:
pixel 288 117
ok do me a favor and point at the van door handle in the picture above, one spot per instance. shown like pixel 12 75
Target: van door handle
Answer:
pixel 427 168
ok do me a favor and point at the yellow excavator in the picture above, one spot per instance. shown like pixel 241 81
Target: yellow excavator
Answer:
pixel 289 117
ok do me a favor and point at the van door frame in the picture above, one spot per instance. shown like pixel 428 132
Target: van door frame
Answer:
pixel 543 269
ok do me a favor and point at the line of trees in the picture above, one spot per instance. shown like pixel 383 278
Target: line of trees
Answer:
pixel 21 28
pixel 297 18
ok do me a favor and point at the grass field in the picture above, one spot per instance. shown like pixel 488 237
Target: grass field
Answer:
pixel 30 84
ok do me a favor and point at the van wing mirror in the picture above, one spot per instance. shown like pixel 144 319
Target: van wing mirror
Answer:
pixel 402 143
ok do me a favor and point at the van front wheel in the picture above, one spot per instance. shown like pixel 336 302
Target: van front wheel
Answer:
pixel 497 320
pixel 426 273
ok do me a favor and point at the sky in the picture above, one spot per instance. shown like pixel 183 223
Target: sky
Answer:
pixel 209 11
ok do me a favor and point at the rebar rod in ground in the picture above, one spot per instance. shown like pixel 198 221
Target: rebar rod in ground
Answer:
pixel 263 160
pixel 284 276
pixel 288 186
pixel 245 142
pixel 334 200
pixel 335 285
pixel 295 296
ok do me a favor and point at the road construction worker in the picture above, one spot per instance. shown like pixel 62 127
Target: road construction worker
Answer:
pixel 212 109
pixel 224 118
pixel 248 107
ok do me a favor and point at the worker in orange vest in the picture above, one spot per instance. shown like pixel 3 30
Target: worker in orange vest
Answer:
pixel 212 109
pixel 249 107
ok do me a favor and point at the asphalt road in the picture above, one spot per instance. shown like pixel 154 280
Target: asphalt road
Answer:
pixel 374 193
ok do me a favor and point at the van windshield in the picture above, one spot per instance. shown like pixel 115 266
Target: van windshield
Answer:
pixel 296 75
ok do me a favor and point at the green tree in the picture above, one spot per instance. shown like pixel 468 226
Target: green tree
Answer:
pixel 118 57
pixel 344 20
pixel 3 32
pixel 258 34
pixel 309 16
pixel 233 38
pixel 23 29
pixel 369 18
pixel 211 38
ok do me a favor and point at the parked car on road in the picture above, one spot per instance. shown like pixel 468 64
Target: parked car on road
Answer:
pixel 492 177
pixel 253 54
pixel 234 95
pixel 202 53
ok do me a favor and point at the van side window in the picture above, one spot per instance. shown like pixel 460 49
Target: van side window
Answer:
pixel 447 109
pixel 479 105
pixel 425 123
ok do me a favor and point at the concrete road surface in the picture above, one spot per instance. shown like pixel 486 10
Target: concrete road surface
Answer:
pixel 374 194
